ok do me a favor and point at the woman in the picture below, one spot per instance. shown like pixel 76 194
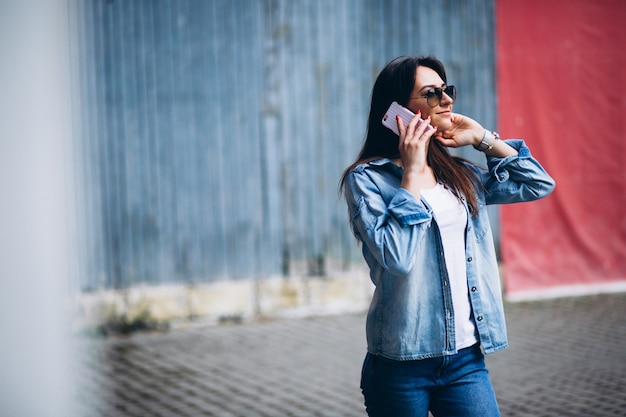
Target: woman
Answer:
pixel 421 217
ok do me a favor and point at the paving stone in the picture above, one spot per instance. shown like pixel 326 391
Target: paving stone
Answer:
pixel 566 358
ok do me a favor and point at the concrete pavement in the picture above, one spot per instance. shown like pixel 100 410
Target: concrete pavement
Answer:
pixel 566 358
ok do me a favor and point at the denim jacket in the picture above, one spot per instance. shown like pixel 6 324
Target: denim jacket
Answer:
pixel 411 314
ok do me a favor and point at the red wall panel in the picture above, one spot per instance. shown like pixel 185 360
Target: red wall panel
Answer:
pixel 562 87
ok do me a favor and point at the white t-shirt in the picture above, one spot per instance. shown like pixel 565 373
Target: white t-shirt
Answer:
pixel 451 218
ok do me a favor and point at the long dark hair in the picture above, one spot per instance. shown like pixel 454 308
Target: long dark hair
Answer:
pixel 395 83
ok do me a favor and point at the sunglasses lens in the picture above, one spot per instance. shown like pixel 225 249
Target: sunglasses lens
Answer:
pixel 433 96
pixel 451 92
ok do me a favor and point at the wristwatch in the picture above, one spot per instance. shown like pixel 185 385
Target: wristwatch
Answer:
pixel 487 143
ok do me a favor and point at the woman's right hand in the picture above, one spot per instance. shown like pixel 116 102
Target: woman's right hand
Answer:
pixel 413 143
pixel 413 148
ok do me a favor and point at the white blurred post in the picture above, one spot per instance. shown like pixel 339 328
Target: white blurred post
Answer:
pixel 35 193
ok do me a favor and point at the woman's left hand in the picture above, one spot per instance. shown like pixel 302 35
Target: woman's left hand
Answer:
pixel 462 131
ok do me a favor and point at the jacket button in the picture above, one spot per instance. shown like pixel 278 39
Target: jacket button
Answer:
pixel 469 259
pixel 479 318
pixel 474 289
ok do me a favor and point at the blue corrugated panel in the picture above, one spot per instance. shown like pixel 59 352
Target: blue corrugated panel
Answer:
pixel 214 133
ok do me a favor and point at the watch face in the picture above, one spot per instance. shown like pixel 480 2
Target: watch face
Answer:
pixel 487 144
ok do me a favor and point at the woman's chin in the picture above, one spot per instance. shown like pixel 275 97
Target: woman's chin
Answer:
pixel 442 123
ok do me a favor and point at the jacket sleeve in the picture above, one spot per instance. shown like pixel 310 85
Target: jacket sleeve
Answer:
pixel 516 178
pixel 389 230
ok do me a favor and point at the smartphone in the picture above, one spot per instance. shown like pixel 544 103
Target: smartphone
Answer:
pixel 389 119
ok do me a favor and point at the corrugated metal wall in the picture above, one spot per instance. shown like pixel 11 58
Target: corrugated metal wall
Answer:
pixel 213 133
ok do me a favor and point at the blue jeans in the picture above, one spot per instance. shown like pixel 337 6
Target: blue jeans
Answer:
pixel 448 386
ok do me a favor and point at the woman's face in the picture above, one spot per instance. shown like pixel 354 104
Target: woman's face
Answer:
pixel 426 79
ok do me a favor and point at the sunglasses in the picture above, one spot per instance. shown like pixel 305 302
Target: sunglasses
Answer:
pixel 434 95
